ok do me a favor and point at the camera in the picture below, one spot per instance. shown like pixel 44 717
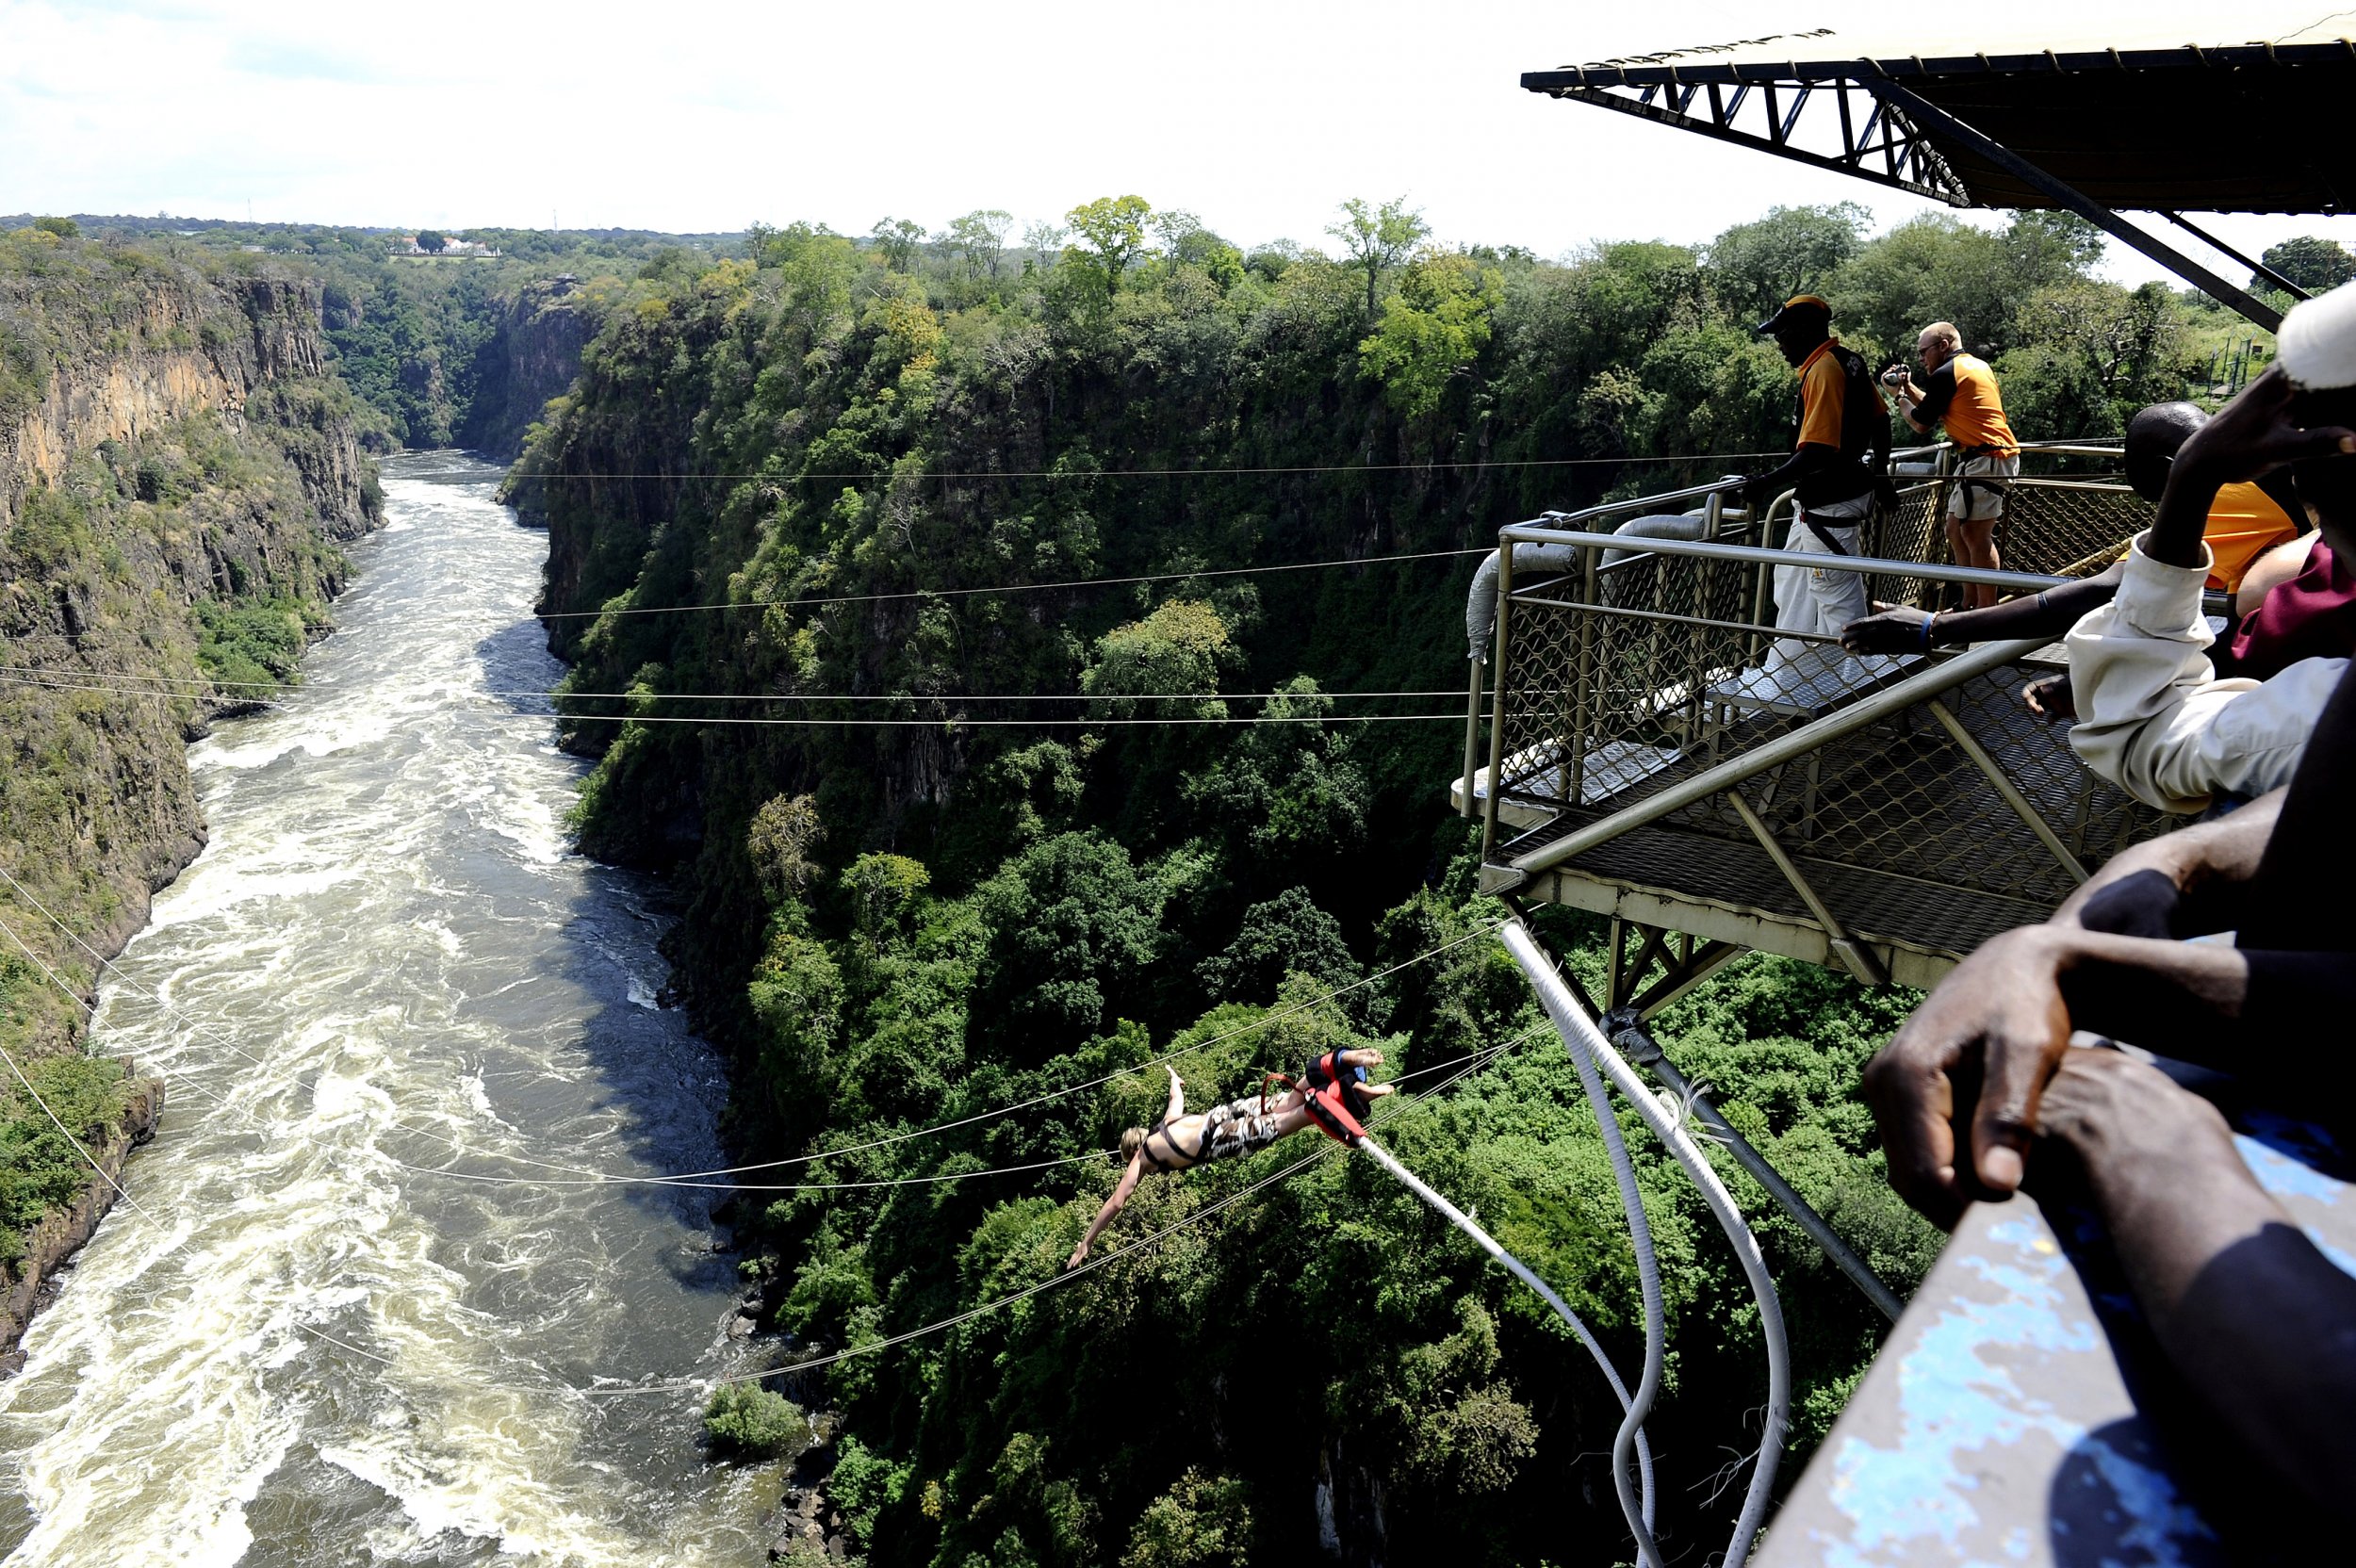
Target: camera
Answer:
pixel 1894 376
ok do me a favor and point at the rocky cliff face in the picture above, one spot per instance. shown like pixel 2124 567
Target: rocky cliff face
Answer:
pixel 175 469
pixel 532 357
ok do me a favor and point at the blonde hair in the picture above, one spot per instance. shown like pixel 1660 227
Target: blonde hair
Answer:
pixel 1132 1139
pixel 1943 333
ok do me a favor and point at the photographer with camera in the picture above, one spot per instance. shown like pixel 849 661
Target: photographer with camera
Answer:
pixel 1959 389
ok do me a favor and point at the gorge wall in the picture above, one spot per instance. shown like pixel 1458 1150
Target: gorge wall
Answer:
pixel 177 465
pixel 532 356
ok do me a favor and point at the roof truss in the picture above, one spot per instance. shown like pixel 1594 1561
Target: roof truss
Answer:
pixel 1832 122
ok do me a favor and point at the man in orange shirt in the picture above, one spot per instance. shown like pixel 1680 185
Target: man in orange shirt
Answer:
pixel 1959 390
pixel 1838 464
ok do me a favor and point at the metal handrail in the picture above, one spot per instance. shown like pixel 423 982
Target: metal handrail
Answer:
pixel 1530 533
pixel 1942 677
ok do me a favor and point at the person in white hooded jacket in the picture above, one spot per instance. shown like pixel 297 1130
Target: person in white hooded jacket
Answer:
pixel 2154 716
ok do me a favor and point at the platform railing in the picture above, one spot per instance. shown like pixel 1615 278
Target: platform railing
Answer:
pixel 1649 724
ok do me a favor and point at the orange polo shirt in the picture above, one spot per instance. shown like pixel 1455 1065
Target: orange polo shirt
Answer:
pixel 2243 524
pixel 1824 390
pixel 1962 393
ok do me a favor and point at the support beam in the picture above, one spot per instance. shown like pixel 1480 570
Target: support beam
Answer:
pixel 1931 117
pixel 1855 956
pixel 2260 267
pixel 1691 971
pixel 1624 1031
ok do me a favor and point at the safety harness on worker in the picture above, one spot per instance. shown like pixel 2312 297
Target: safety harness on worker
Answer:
pixel 1864 469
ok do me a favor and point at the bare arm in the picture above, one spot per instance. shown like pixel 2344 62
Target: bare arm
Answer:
pixel 2255 1318
pixel 1903 629
pixel 1177 1106
pixel 1976 1056
pixel 1112 1206
pixel 2188 883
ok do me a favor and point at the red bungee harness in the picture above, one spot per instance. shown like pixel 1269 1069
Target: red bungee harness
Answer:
pixel 1328 1092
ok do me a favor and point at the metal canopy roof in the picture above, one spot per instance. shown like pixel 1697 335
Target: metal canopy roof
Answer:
pixel 2230 123
pixel 2251 118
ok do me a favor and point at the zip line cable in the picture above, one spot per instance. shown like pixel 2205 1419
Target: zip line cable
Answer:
pixel 889 475
pixel 820 602
pixel 595 1180
pixel 701 1384
pixel 191 1082
pixel 684 1177
pixel 823 722
pixel 201 685
pixel 1477 1060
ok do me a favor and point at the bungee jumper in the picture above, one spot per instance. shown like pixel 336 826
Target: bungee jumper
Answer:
pixel 1332 1093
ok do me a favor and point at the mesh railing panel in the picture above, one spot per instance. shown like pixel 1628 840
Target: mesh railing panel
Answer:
pixel 1619 680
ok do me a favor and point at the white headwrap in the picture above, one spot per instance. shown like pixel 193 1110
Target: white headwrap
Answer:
pixel 2317 345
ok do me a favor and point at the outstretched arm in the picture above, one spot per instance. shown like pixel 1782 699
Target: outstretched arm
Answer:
pixel 1177 1106
pixel 1903 629
pixel 1112 1206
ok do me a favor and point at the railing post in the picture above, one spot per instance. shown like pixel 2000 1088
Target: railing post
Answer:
pixel 1584 676
pixel 1499 696
pixel 1472 739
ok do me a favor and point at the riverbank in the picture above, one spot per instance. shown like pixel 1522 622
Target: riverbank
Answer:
pixel 408 1268
pixel 179 471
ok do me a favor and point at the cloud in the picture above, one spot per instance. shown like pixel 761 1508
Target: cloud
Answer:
pixel 295 62
pixel 1259 117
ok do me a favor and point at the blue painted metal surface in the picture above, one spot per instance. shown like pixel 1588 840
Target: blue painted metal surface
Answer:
pixel 1997 1426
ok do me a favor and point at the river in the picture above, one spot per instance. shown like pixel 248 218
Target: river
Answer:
pixel 295 1351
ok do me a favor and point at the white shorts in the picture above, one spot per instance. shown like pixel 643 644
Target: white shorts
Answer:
pixel 1982 502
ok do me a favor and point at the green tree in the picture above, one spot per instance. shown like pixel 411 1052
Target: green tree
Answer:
pixel 2092 353
pixel 1377 238
pixel 2314 263
pixel 898 239
pixel 64 228
pixel 1431 330
pixel 748 1420
pixel 1112 234
pixel 978 241
pixel 1072 923
pixel 1200 1521
pixel 1755 266
pixel 432 242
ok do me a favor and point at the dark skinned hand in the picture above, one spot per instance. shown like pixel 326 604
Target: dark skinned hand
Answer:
pixel 2130 1124
pixel 1966 1071
pixel 2251 435
pixel 1890 628
pixel 2049 698
pixel 2254 435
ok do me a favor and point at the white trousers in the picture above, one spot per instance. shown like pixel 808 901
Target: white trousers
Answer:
pixel 1810 598
pixel 1814 599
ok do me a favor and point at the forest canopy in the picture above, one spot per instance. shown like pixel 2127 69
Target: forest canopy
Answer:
pixel 862 444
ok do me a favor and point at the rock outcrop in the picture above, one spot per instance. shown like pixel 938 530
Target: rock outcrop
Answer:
pixel 176 466
pixel 532 357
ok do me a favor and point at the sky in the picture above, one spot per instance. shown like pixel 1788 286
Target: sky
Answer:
pixel 1260 116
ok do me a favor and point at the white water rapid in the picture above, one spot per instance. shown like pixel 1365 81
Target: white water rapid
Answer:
pixel 387 944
